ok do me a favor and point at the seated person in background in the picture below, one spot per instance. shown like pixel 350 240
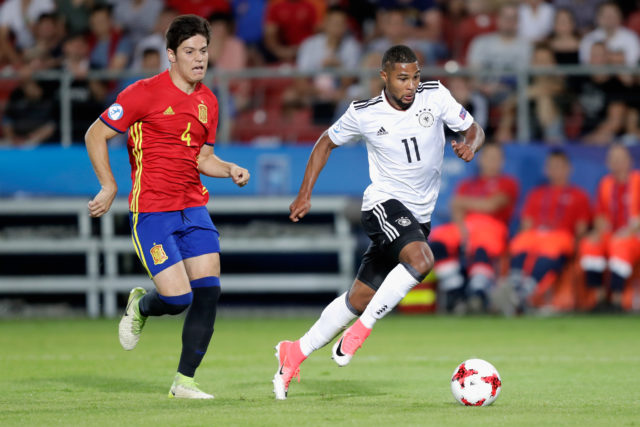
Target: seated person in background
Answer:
pixel 614 242
pixel 480 209
pixel 46 52
pixel 332 48
pixel 564 39
pixel 287 24
pixel 30 115
pixel 471 99
pixel 553 217
pixel 110 49
pixel 535 20
pixel 611 32
pixel 547 100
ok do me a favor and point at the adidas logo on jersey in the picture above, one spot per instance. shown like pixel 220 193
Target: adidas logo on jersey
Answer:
pixel 168 111
pixel 382 131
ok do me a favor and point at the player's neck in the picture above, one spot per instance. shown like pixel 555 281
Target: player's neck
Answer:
pixel 180 82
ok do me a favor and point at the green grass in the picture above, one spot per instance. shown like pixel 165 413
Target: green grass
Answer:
pixel 556 372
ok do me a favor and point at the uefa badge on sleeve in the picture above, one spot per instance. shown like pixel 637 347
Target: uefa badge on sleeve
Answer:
pixel 115 112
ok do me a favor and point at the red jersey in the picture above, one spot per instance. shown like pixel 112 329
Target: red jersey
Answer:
pixel 167 128
pixel 296 20
pixel 487 187
pixel 619 201
pixel 557 208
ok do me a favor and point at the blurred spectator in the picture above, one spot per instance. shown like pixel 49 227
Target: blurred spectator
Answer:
pixel 554 215
pixel 600 99
pixel 228 52
pixel 333 47
pixel 249 19
pixel 431 30
pixel 480 211
pixel 472 100
pixel 396 29
pixel 137 18
pixel 564 39
pixel 110 49
pixel 633 20
pixel 363 89
pixel 614 243
pixel 584 12
pixel 17 18
pixel 465 20
pixel 90 98
pixel 46 52
pixel 199 7
pixel 547 103
pixel 502 50
pixel 287 24
pixel 613 34
pixel 75 50
pixel 75 14
pixel 535 20
pixel 29 118
pixel 155 40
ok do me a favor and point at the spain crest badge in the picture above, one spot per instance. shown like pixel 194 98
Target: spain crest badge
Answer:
pixel 202 113
pixel 158 254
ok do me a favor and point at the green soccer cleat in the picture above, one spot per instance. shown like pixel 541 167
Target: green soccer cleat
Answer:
pixel 132 321
pixel 186 388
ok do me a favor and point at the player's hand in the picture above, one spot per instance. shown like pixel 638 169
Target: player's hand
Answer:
pixel 240 176
pixel 463 151
pixel 299 208
pixel 101 204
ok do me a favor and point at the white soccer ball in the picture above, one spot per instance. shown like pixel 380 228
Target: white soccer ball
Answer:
pixel 475 382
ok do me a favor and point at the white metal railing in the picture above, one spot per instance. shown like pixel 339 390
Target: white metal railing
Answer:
pixel 107 243
pixel 221 81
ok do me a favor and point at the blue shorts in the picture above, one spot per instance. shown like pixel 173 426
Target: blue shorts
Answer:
pixel 162 239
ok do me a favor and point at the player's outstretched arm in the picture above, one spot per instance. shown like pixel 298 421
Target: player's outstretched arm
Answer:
pixel 318 158
pixel 211 165
pixel 473 140
pixel 96 142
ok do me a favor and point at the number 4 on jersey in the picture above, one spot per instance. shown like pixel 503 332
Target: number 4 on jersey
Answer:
pixel 187 137
pixel 415 146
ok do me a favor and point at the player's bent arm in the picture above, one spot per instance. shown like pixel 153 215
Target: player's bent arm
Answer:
pixel 96 142
pixel 473 140
pixel 317 160
pixel 211 165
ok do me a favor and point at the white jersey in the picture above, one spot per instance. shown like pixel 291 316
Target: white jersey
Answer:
pixel 405 148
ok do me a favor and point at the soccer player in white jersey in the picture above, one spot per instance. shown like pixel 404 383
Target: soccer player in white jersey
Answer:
pixel 404 134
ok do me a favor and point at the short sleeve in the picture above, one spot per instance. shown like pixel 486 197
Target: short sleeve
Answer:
pixel 454 115
pixel 346 129
pixel 126 110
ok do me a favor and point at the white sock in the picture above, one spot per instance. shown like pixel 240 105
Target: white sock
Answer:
pixel 395 286
pixel 334 318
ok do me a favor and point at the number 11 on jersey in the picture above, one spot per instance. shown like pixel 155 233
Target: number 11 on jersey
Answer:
pixel 415 146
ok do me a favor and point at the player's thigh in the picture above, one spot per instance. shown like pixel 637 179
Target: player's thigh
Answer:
pixel 172 280
pixel 205 265
pixel 154 241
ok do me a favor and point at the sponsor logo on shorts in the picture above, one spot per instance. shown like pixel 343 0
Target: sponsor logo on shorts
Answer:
pixel 115 112
pixel 403 221
pixel 158 254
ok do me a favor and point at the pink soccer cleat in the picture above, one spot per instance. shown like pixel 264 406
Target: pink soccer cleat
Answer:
pixel 289 358
pixel 349 342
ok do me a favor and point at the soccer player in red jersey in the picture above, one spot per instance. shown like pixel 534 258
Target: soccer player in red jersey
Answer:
pixel 477 236
pixel 615 239
pixel 554 215
pixel 172 119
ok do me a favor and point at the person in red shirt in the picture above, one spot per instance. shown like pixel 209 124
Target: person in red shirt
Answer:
pixel 553 216
pixel 615 239
pixel 477 237
pixel 172 119
pixel 287 24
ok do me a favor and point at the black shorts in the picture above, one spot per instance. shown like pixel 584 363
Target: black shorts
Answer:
pixel 390 226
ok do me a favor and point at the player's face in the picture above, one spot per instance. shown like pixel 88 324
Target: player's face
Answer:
pixel 191 58
pixel 401 83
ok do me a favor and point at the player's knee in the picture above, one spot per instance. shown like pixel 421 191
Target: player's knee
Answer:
pixel 359 301
pixel 421 261
pixel 178 303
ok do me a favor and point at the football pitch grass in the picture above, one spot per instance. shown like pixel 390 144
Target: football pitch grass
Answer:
pixel 555 371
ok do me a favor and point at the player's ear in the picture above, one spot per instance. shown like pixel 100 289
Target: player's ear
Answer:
pixel 384 76
pixel 171 54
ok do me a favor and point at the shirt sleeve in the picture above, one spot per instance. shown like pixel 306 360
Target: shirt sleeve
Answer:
pixel 346 129
pixel 127 109
pixel 454 115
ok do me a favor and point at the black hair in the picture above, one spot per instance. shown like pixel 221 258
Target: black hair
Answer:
pixel 398 54
pixel 102 7
pixel 184 27
pixel 558 152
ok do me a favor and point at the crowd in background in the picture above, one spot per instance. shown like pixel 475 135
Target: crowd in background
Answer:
pixel 314 35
